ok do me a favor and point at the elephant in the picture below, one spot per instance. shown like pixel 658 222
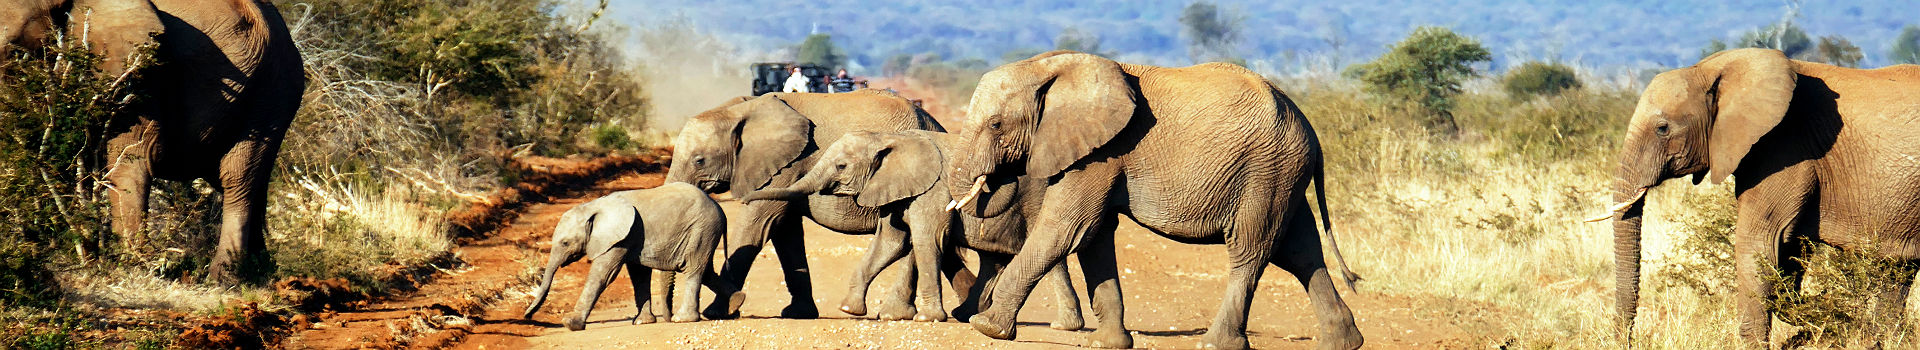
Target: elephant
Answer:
pixel 1823 154
pixel 674 227
pixel 1206 154
pixel 897 173
pixel 750 143
pixel 218 104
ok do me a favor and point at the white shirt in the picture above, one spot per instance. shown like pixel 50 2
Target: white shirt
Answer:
pixel 796 83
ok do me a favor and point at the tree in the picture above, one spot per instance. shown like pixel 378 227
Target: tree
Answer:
pixel 1838 51
pixel 1713 47
pixel 1906 47
pixel 1212 34
pixel 1786 37
pixel 1076 40
pixel 818 50
pixel 1425 69
pixel 1538 78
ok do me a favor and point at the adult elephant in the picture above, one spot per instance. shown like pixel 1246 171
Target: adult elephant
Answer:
pixel 748 144
pixel 1208 154
pixel 1822 154
pixel 217 105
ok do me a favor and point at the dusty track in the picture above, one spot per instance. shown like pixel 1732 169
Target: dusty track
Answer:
pixel 1171 292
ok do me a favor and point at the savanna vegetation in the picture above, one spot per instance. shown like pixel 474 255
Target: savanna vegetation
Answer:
pixel 412 108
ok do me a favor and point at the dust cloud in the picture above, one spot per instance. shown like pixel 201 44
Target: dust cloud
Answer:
pixel 687 71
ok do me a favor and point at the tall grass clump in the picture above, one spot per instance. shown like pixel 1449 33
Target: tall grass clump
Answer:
pixel 415 107
pixel 56 105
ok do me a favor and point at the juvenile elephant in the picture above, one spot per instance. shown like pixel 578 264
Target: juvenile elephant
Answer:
pixel 770 141
pixel 217 105
pixel 898 174
pixel 1207 154
pixel 674 227
pixel 1822 153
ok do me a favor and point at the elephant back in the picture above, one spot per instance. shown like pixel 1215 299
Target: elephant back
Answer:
pixel 672 218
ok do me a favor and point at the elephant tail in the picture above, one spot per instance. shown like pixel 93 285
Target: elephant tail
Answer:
pixel 1326 222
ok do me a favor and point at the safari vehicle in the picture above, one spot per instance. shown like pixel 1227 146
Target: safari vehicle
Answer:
pixel 771 76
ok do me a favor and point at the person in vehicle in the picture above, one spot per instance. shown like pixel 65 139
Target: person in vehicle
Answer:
pixel 796 82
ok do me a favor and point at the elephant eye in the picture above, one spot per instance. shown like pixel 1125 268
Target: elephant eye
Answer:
pixel 699 161
pixel 995 125
pixel 841 166
pixel 1660 130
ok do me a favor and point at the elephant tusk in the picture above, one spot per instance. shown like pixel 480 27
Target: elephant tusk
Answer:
pixel 1620 207
pixel 979 186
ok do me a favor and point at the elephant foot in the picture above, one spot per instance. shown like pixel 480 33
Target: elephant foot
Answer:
pixel 575 323
pixel 991 328
pixel 643 318
pixel 1117 338
pixel 1224 340
pixel 1069 321
pixel 800 310
pixel 727 310
pixel 1347 338
pixel 684 318
pixel 931 316
pixel 965 312
pixel 854 306
pixel 895 312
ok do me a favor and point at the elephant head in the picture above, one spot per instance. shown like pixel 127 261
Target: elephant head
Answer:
pixel 874 168
pixel 740 145
pixel 1700 121
pixel 573 238
pixel 113 28
pixel 1038 117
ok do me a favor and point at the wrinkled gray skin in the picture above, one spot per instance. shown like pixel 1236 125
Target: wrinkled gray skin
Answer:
pixel 898 173
pixel 216 108
pixel 674 227
pixel 1207 154
pixel 1821 154
pixel 752 143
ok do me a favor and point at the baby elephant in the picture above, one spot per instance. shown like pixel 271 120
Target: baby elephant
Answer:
pixel 674 227
pixel 899 173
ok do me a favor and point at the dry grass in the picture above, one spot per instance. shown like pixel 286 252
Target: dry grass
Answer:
pixel 1496 216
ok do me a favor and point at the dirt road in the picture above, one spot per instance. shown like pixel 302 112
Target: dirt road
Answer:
pixel 1172 292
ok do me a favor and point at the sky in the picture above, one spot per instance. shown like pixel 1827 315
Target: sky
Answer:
pixel 1629 34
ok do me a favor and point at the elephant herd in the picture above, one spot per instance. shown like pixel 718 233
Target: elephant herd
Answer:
pixel 1057 146
pixel 1054 149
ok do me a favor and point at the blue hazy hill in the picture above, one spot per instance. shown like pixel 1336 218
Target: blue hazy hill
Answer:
pixel 1593 33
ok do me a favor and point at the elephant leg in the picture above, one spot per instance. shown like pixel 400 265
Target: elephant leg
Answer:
pixel 1891 304
pixel 244 173
pixel 130 154
pixel 604 268
pixel 1297 251
pixel 1075 205
pixel 1101 269
pixel 1768 214
pixel 744 243
pixel 662 291
pixel 1067 317
pixel 888 246
pixel 641 276
pixel 981 295
pixel 930 252
pixel 790 246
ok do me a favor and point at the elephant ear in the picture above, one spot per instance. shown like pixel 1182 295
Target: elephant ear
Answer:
pixel 907 166
pixel 1085 104
pixel 115 28
pixel 1751 89
pixel 610 224
pixel 772 136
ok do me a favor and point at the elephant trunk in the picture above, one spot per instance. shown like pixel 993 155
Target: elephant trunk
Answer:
pixel 815 181
pixel 557 259
pixel 1626 255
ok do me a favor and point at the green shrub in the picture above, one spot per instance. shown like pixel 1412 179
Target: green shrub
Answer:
pixel 612 137
pixel 1539 79
pixel 1425 69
